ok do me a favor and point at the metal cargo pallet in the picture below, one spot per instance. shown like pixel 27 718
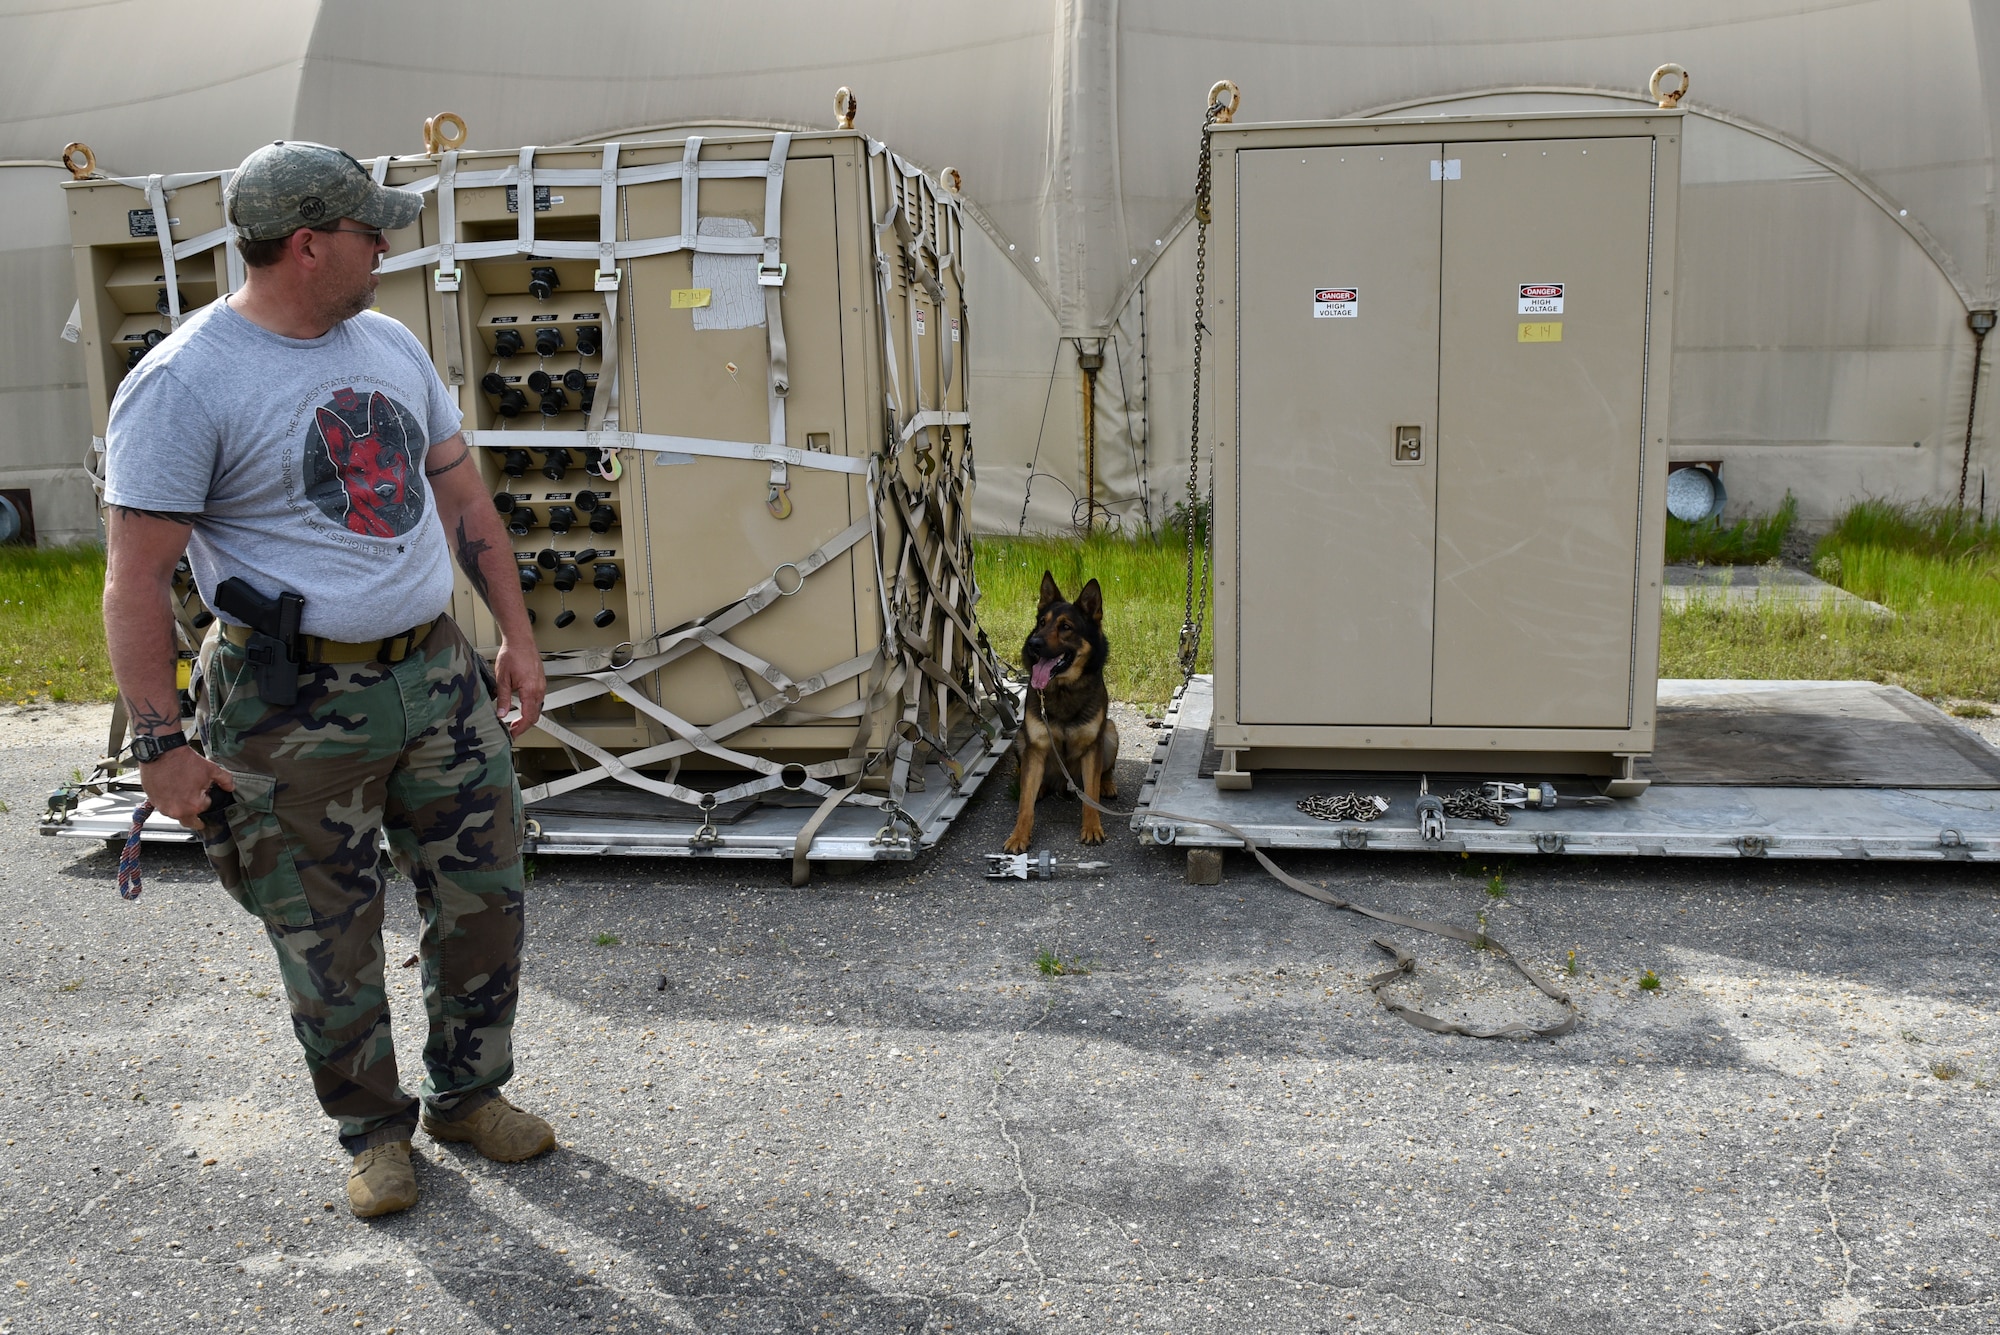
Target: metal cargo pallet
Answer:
pixel 1879 755
pixel 605 821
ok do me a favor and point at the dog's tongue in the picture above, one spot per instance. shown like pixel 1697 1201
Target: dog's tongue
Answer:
pixel 1042 673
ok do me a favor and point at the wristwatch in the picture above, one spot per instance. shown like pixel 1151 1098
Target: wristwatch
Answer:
pixel 147 749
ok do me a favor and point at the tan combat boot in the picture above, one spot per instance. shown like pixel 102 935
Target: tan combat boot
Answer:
pixel 382 1181
pixel 499 1130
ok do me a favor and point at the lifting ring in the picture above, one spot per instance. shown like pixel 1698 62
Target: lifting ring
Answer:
pixel 70 158
pixel 1666 71
pixel 436 140
pixel 950 179
pixel 779 584
pixel 630 650
pixel 1225 112
pixel 845 104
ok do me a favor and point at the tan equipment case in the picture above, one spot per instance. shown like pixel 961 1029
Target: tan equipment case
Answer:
pixel 1440 458
pixel 718 390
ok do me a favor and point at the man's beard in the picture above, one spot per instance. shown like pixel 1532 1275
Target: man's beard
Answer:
pixel 350 304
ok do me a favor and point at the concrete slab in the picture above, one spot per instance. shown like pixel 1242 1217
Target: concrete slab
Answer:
pixel 861 1107
pixel 1772 584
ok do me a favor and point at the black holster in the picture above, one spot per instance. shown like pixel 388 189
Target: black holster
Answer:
pixel 273 649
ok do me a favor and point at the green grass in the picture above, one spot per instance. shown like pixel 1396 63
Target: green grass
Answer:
pixel 1935 650
pixel 1937 570
pixel 1936 531
pixel 1052 965
pixel 1751 540
pixel 52 625
pixel 1144 584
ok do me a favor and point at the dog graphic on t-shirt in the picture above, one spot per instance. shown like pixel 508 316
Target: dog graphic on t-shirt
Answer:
pixel 363 475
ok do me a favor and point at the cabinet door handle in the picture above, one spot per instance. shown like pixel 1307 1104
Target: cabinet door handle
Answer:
pixel 1409 445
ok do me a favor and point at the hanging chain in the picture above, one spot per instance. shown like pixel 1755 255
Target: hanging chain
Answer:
pixel 1193 618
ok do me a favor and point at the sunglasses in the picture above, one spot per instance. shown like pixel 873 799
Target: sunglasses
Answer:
pixel 374 234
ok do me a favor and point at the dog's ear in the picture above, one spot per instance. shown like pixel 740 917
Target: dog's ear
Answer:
pixel 1091 602
pixel 1050 593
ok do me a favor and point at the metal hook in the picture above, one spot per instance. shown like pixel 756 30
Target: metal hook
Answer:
pixel 1668 101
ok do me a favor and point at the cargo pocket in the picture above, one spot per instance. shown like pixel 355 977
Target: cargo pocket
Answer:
pixel 253 857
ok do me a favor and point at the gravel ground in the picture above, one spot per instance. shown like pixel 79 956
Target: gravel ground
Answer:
pixel 861 1107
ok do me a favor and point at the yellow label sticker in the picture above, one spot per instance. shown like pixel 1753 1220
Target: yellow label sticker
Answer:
pixel 1541 333
pixel 183 673
pixel 687 298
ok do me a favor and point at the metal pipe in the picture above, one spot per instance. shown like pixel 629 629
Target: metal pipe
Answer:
pixel 1982 324
pixel 1090 363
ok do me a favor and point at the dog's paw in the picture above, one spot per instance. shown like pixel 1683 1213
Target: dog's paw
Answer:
pixel 1018 841
pixel 1093 833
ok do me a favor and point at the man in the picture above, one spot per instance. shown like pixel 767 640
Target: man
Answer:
pixel 290 436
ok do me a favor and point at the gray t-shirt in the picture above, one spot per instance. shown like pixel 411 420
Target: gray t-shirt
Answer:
pixel 304 459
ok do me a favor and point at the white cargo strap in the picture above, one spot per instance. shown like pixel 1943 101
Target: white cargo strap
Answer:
pixel 690 738
pixel 947 259
pixel 446 250
pixel 607 224
pixel 771 276
pixel 668 646
pixel 156 196
pixel 882 222
pixel 691 186
pixel 931 417
pixel 604 407
pixel 232 254
pixel 448 278
pixel 751 451
pixel 907 238
pixel 524 203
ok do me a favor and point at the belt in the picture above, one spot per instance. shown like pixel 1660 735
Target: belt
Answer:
pixel 313 649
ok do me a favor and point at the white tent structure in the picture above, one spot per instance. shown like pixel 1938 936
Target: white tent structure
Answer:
pixel 1838 214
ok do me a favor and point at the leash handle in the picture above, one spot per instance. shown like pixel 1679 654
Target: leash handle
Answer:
pixel 130 884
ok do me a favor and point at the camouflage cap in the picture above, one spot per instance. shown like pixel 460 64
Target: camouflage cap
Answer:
pixel 288 185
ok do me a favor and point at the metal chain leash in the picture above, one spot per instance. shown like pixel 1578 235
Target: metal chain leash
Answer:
pixel 1343 806
pixel 1192 619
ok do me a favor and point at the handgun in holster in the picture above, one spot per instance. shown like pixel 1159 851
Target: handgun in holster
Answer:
pixel 273 649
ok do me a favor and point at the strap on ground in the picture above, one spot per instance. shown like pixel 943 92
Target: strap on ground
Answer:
pixel 1405 963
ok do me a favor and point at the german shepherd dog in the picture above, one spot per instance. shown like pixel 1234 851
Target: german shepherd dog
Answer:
pixel 1069 711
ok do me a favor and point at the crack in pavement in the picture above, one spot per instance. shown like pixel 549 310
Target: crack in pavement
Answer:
pixel 1020 1170
pixel 1845 1310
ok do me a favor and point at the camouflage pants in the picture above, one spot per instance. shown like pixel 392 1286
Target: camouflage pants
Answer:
pixel 415 748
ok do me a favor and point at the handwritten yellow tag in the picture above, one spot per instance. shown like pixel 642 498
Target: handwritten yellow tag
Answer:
pixel 1541 333
pixel 687 298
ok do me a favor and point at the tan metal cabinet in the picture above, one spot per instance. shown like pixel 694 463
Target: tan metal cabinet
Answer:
pixel 1440 483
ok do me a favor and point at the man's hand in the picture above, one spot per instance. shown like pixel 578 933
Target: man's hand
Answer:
pixel 177 784
pixel 518 672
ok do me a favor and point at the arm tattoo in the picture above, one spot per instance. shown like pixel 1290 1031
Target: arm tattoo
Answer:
pixel 147 719
pixel 440 472
pixel 470 551
pixel 171 516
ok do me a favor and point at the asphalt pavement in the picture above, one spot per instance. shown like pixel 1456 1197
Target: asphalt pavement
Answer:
pixel 870 1106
